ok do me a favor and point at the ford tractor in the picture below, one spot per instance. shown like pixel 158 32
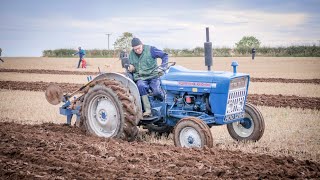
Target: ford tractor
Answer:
pixel 110 105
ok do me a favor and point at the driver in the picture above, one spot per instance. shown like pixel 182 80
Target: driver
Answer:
pixel 143 64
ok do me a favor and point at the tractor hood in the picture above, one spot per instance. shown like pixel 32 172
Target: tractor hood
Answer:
pixel 182 79
pixel 179 73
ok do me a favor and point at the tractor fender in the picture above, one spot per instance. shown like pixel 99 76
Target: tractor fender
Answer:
pixel 127 82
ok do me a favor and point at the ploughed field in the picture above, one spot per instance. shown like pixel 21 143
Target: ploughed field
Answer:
pixel 57 151
pixel 34 143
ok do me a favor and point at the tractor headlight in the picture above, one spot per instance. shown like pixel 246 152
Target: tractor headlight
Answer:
pixel 238 83
pixel 229 107
pixel 240 105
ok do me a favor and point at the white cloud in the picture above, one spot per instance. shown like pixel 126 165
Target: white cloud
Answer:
pixel 231 25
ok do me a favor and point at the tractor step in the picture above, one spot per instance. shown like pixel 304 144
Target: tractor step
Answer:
pixel 152 118
pixel 148 120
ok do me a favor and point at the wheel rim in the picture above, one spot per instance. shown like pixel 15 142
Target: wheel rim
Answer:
pixel 104 117
pixel 245 127
pixel 189 137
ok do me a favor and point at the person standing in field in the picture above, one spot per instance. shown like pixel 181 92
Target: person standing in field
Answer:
pixel 143 61
pixel 253 52
pixel 81 53
pixel 0 55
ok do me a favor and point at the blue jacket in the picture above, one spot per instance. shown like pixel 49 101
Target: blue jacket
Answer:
pixel 157 53
pixel 81 53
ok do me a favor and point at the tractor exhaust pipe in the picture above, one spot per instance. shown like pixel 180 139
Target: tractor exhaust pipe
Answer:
pixel 208 51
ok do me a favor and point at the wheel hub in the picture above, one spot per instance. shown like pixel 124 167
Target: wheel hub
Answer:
pixel 189 137
pixel 246 123
pixel 104 116
pixel 101 111
pixel 190 140
pixel 244 128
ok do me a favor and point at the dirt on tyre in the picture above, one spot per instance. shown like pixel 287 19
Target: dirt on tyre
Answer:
pixel 251 128
pixel 109 110
pixel 192 132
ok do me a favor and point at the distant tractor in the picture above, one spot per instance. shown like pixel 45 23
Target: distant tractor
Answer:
pixel 110 105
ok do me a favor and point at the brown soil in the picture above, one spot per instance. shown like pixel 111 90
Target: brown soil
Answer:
pixel 282 80
pixel 45 71
pixel 51 151
pixel 256 99
pixel 285 101
pixel 36 86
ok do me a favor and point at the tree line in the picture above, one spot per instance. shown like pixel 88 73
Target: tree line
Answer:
pixel 242 48
pixel 291 51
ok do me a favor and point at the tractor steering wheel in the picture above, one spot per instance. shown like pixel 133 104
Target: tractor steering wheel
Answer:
pixel 164 70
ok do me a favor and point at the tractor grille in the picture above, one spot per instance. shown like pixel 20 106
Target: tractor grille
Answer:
pixel 237 95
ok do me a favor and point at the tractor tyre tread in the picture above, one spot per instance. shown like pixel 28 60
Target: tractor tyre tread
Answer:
pixel 130 129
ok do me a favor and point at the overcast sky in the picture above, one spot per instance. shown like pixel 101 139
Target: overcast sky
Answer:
pixel 30 26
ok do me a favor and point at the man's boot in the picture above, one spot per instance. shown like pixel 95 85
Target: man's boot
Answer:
pixel 147 106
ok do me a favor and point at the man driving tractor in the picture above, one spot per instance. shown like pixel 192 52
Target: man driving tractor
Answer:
pixel 143 64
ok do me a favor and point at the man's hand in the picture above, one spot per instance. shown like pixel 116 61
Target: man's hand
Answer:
pixel 131 68
pixel 161 71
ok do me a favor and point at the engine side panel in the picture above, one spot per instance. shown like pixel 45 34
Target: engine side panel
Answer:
pixel 226 97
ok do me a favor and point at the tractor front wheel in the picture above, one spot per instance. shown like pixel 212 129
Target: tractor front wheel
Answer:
pixel 192 132
pixel 251 128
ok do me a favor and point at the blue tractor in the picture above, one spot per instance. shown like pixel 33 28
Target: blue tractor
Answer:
pixel 110 105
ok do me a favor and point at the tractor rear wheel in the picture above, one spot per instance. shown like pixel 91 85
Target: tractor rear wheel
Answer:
pixel 192 132
pixel 108 110
pixel 251 128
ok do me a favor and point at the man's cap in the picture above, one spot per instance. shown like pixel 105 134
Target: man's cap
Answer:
pixel 135 42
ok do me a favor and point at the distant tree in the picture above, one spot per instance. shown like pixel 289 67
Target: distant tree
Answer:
pixel 198 51
pixel 248 42
pixel 124 41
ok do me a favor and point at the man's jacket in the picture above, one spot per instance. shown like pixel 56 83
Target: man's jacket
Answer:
pixel 144 64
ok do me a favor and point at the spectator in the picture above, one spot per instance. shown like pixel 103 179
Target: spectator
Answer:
pixel 143 61
pixel 253 52
pixel 81 53
pixel 0 55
